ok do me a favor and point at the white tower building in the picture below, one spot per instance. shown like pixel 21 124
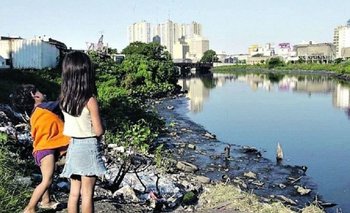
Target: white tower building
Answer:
pixel 169 35
pixel 140 32
pixel 341 38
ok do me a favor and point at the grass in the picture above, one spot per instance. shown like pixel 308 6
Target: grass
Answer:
pixel 341 68
pixel 229 197
pixel 13 195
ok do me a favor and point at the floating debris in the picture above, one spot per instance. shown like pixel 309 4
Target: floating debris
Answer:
pixel 210 135
pixel 250 174
pixel 170 107
pixel 302 191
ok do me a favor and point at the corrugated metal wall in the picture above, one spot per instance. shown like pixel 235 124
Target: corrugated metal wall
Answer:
pixel 4 48
pixel 27 54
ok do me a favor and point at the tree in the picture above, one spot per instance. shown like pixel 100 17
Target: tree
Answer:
pixel 151 50
pixel 112 51
pixel 148 63
pixel 209 56
pixel 275 62
pixel 258 55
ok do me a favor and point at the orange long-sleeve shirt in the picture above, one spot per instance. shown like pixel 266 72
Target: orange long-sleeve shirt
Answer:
pixel 47 127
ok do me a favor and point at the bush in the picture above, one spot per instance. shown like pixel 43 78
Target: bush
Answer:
pixel 138 136
pixel 275 62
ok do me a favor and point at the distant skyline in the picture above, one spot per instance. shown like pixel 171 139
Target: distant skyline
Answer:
pixel 230 25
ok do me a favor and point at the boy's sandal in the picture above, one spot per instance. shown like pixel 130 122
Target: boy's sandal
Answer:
pixel 50 205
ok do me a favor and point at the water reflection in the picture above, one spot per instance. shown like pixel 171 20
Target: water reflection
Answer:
pixel 199 87
pixel 308 115
pixel 197 92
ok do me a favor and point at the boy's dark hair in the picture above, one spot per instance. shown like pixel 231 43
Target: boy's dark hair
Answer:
pixel 22 100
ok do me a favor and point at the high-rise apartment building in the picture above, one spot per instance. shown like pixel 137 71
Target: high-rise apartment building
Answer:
pixel 341 38
pixel 169 34
pixel 191 30
pixel 140 32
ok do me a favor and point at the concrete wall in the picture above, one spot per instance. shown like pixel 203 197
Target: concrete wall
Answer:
pixel 345 52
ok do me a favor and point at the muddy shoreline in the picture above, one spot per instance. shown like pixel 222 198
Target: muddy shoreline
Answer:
pixel 189 142
pixel 246 168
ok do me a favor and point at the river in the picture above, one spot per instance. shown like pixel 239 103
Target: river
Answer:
pixel 308 115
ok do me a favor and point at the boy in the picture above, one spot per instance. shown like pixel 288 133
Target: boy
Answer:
pixel 48 141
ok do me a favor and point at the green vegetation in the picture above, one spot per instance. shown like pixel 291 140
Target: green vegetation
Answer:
pixel 189 198
pixel 13 194
pixel 209 56
pixel 123 91
pixel 275 62
pixel 341 67
pixel 3 137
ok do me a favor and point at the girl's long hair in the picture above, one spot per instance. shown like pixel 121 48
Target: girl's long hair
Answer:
pixel 78 82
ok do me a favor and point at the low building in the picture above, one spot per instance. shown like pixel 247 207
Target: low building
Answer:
pixel 36 53
pixel 180 50
pixel 345 52
pixel 316 53
pixel 257 59
pixel 222 57
pixel 197 46
pixel 257 50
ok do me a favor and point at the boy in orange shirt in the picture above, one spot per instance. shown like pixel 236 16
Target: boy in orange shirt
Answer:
pixel 48 141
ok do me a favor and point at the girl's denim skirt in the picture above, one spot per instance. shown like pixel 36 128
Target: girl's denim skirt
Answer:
pixel 84 158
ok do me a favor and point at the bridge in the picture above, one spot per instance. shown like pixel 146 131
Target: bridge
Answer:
pixel 186 68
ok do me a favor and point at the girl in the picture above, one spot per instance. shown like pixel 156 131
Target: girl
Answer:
pixel 83 124
pixel 48 140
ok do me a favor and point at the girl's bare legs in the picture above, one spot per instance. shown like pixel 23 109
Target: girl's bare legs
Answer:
pixel 46 197
pixel 87 193
pixel 47 169
pixel 74 194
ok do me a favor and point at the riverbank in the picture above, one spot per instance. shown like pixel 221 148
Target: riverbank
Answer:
pixel 246 170
pixel 178 189
pixel 246 167
pixel 340 67
pixel 290 70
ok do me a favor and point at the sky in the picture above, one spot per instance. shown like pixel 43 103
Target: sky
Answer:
pixel 231 26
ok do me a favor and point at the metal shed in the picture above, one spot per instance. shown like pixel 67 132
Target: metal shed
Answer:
pixel 29 54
